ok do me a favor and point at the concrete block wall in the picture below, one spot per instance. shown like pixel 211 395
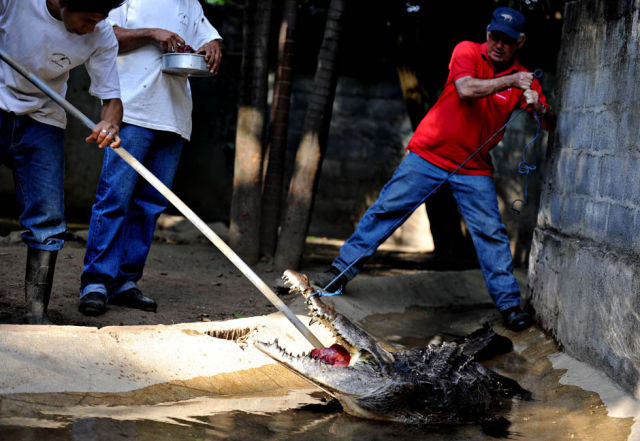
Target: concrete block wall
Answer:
pixel 369 131
pixel 583 271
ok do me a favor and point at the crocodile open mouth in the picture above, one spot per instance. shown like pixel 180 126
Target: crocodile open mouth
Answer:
pixel 354 350
pixel 332 378
pixel 343 353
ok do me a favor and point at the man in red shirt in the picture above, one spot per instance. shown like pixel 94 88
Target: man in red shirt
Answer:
pixel 486 84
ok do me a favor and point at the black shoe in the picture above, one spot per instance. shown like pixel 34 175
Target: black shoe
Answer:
pixel 133 298
pixel 323 280
pixel 94 303
pixel 516 319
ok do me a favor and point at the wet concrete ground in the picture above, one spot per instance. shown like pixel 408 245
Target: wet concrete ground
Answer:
pixel 192 410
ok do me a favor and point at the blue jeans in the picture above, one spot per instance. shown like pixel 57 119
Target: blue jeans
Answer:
pixel 35 153
pixel 124 216
pixel 477 201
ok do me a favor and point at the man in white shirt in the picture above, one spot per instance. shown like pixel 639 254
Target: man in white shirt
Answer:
pixel 157 120
pixel 49 38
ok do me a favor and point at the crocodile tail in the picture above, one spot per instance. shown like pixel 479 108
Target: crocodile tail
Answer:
pixel 484 344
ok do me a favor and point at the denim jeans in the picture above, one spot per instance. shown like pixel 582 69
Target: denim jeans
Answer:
pixel 35 153
pixel 477 202
pixel 124 216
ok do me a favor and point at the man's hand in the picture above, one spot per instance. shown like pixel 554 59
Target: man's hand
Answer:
pixel 106 131
pixel 531 96
pixel 533 99
pixel 522 80
pixel 105 134
pixel 547 117
pixel 212 55
pixel 169 41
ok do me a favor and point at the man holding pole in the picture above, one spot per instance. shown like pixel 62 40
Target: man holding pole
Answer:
pixel 486 84
pixel 49 38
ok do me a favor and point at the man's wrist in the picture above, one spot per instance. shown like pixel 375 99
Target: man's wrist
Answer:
pixel 508 82
pixel 543 112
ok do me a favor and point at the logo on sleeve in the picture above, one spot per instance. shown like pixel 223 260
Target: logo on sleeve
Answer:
pixel 503 95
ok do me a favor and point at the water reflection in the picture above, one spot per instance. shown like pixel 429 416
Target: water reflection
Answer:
pixel 557 412
pixel 299 424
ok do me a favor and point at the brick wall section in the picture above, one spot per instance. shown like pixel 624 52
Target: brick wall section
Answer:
pixel 583 269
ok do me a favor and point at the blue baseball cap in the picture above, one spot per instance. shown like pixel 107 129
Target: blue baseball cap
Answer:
pixel 507 20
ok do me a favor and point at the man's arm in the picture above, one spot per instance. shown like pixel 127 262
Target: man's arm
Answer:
pixel 472 88
pixel 106 131
pixel 129 39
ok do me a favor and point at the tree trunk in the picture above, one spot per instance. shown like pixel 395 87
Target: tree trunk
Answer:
pixel 275 154
pixel 312 146
pixel 244 229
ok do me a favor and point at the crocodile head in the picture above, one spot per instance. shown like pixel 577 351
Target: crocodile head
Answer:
pixel 369 361
pixel 437 384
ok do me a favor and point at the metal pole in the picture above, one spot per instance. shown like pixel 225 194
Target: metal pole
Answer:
pixel 181 206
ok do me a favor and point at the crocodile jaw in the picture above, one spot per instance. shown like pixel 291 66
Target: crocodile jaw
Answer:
pixel 340 382
pixel 362 347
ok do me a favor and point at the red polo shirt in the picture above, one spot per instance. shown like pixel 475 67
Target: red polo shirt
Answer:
pixel 453 129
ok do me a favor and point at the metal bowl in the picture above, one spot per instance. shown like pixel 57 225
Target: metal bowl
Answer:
pixel 186 65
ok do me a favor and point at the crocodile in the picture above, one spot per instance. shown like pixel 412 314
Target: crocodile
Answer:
pixel 439 384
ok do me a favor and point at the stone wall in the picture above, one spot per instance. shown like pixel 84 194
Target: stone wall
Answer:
pixel 584 282
pixel 368 133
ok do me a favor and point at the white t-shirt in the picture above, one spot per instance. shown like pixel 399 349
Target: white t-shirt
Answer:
pixel 151 98
pixel 42 44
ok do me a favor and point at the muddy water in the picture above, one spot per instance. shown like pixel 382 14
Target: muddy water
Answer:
pixel 185 412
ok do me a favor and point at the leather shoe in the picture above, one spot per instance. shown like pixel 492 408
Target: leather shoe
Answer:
pixel 133 298
pixel 323 280
pixel 516 319
pixel 94 303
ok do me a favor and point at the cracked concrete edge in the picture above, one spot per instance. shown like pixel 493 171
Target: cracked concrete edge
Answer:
pixel 47 359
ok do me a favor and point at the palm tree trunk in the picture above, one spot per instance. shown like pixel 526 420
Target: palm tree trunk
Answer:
pixel 244 229
pixel 312 146
pixel 275 154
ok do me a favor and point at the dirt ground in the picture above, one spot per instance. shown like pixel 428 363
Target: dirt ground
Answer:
pixel 185 274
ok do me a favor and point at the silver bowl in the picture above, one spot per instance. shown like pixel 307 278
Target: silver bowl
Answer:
pixel 186 65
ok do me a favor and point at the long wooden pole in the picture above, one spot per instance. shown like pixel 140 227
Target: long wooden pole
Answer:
pixel 171 196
